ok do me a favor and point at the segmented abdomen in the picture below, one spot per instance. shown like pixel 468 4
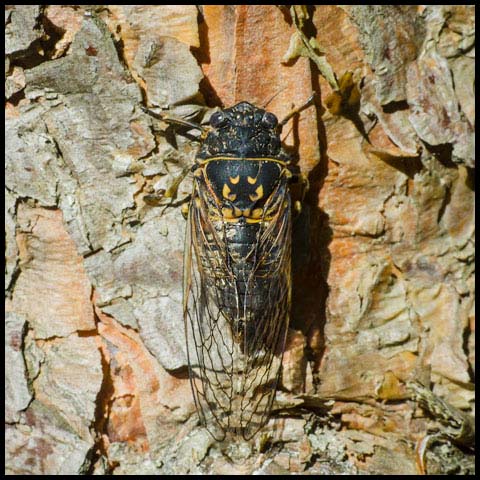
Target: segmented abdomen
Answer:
pixel 248 286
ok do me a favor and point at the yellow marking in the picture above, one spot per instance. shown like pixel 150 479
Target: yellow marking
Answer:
pixel 253 220
pixel 258 194
pixel 246 212
pixel 270 214
pixel 184 210
pixel 251 180
pixel 234 180
pixel 265 159
pixel 226 192
pixel 197 202
pixel 231 213
pixel 227 212
pixel 257 213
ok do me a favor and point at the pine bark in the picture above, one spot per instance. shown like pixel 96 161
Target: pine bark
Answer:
pixel 378 370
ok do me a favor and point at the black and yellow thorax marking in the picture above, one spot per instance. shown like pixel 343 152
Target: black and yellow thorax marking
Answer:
pixel 242 187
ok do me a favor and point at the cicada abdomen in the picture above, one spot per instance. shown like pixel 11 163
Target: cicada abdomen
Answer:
pixel 237 270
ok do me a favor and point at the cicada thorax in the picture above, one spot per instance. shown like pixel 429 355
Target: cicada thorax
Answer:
pixel 239 289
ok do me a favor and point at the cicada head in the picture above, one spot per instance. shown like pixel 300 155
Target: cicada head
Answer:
pixel 243 131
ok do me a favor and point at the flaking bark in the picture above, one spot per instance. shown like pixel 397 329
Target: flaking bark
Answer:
pixel 383 282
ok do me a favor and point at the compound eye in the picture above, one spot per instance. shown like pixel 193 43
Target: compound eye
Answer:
pixel 269 120
pixel 218 119
pixel 258 116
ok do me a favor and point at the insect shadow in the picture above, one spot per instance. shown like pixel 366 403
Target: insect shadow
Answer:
pixel 311 237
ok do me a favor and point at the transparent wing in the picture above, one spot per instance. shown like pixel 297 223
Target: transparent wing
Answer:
pixel 236 314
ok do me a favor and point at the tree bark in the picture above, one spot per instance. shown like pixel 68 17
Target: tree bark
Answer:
pixel 378 369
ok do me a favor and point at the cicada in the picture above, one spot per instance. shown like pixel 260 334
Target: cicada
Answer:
pixel 237 284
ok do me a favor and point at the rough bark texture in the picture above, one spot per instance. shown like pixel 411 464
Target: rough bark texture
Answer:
pixel 379 365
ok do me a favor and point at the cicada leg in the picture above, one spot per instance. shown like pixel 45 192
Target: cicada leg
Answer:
pixel 298 178
pixel 169 118
pixel 172 190
pixel 300 181
pixel 295 111
pixel 170 193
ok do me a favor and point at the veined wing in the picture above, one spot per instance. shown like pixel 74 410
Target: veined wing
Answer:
pixel 236 313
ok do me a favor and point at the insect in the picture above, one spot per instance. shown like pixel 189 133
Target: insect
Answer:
pixel 237 268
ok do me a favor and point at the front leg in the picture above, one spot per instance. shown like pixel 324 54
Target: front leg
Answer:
pixel 300 185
